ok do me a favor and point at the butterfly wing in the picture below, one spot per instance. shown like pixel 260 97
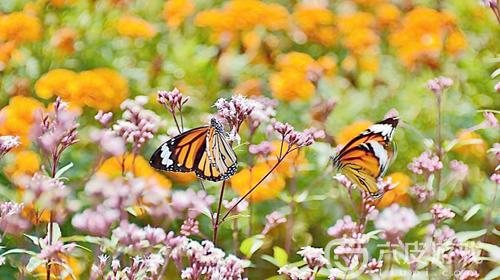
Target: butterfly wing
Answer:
pixel 220 154
pixel 181 153
pixel 366 158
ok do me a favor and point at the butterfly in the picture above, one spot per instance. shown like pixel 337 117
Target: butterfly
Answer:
pixel 366 158
pixel 203 150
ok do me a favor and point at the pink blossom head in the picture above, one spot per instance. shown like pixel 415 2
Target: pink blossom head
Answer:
pixel 273 220
pixel 426 162
pixel 7 143
pixel 495 177
pixel 104 118
pixel 172 99
pixel 438 85
pixel 491 120
pixel 441 213
pixel 391 114
pixel 314 257
pixel 497 86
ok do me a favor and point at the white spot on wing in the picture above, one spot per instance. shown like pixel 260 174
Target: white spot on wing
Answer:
pixel 386 130
pixel 165 155
pixel 381 153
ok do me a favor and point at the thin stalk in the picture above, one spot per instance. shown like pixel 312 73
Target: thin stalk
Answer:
pixel 216 225
pixel 290 220
pixel 439 151
pixel 235 237
pixel 490 211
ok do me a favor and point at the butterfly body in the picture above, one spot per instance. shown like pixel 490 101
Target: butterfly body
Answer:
pixel 203 150
pixel 366 158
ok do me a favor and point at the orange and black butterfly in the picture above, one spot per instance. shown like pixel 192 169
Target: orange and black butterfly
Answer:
pixel 366 158
pixel 203 150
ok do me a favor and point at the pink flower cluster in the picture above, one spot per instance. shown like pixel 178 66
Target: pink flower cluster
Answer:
pixel 373 267
pixel 491 120
pixel 396 221
pixel 441 213
pixel 438 85
pixel 314 257
pixel 273 220
pixel 422 192
pixel 426 162
pixel 344 226
pixel 295 138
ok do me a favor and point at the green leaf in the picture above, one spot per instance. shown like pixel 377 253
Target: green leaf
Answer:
pixel 301 197
pixel 237 216
pixel 56 232
pixel 494 274
pixel 271 260
pixel 64 169
pixel 280 255
pixel 250 245
pixel 496 231
pixel 467 235
pixel 33 239
pixel 472 211
pixel 490 248
pixel 18 251
pixel 33 263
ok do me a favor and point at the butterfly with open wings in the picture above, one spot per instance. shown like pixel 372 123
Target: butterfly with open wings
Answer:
pixel 366 158
pixel 203 150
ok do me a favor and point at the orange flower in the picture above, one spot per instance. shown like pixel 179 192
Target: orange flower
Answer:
pixel 295 80
pixel 421 36
pixel 347 133
pixel 175 11
pixel 399 194
pixel 251 87
pixel 387 15
pixel 112 167
pixel 57 270
pixel 182 178
pixel 64 40
pixel 6 51
pixel 244 180
pixel 20 27
pixel 317 23
pixel 368 3
pixel 359 35
pixel 17 118
pixel 136 27
pixel 25 164
pixel 62 3
pixel 471 144
pixel 60 82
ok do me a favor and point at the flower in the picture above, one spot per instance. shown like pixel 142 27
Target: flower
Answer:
pixel 459 168
pixel 20 27
pixel 242 206
pixel 439 85
pixel 61 3
pixel 387 15
pixel 7 143
pixel 17 118
pixel 297 77
pixel 497 87
pixel 314 257
pixel 471 144
pixel 175 11
pixel 190 227
pixel 64 40
pixel 495 177
pixel 130 235
pixel 316 22
pixel 491 120
pixel 341 227
pixel 399 194
pixel 273 220
pixel 295 273
pixel 110 143
pixel 7 50
pixel 11 221
pixel 440 213
pixel 422 192
pixel 244 180
pixel 373 267
pixel 396 221
pixel 100 88
pixel 137 166
pixel 347 133
pixel 96 222
pixel 24 165
pixel 250 87
pixel 135 27
pixel 421 35
pixel 426 162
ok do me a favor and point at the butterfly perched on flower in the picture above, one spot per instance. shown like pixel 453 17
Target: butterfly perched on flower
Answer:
pixel 203 150
pixel 366 158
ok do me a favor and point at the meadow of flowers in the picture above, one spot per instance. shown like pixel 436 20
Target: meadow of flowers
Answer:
pixel 89 89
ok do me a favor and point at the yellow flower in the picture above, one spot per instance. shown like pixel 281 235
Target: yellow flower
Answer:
pixel 182 178
pixel 6 51
pixel 317 22
pixel 20 27
pixel 117 82
pixel 329 65
pixel 243 15
pixel 175 11
pixel 387 15
pixel 471 144
pixel 359 35
pixel 244 180
pixel 25 163
pixel 295 80
pixel 369 63
pixel 62 3
pixel 57 270
pixel 250 87
pixel 421 36
pixel 59 82
pixel 64 40
pixel 348 23
pixel 368 3
pixel 112 167
pixel 17 118
pixel 135 27
pixel 347 133
pixel 456 43
pixel 399 194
